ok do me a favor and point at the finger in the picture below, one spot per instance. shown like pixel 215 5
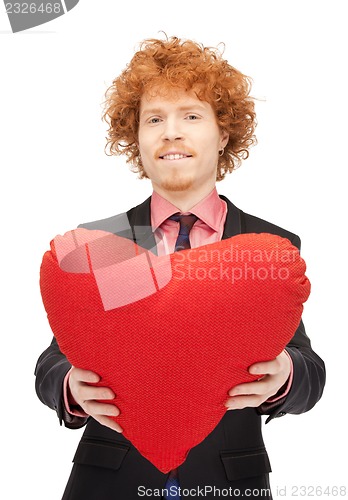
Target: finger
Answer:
pixel 84 375
pixel 262 388
pixel 94 408
pixel 265 368
pixel 87 393
pixel 240 402
pixel 256 387
pixel 108 422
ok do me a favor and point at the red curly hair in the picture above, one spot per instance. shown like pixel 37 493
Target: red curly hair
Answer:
pixel 181 64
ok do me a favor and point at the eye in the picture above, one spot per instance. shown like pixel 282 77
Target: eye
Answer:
pixel 192 117
pixel 154 120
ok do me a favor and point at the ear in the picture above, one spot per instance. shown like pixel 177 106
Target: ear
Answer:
pixel 224 137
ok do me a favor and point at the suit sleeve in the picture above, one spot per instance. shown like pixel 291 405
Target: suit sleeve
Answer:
pixel 52 366
pixel 50 371
pixel 308 375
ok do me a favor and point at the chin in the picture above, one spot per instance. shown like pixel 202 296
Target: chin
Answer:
pixel 177 184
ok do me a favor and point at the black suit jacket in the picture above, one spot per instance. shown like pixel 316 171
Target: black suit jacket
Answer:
pixel 107 466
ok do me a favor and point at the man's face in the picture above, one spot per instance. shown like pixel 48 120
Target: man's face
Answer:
pixel 179 141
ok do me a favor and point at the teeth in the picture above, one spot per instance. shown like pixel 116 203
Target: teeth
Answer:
pixel 173 157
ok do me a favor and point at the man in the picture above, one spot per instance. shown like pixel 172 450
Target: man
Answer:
pixel 184 118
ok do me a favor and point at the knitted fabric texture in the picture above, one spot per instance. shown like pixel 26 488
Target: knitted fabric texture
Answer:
pixel 171 335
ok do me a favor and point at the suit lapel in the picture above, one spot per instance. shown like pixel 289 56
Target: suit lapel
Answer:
pixel 234 223
pixel 140 222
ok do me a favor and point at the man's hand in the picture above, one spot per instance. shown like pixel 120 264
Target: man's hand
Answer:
pixel 273 375
pixel 86 396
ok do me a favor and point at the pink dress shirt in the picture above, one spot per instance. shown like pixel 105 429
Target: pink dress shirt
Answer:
pixel 211 213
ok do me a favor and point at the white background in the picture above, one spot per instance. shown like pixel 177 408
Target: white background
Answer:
pixel 55 175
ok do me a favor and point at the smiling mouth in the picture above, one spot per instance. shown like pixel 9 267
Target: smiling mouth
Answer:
pixel 175 156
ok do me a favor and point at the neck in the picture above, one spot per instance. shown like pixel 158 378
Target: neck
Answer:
pixel 184 200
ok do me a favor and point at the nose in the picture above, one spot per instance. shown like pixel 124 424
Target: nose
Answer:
pixel 172 130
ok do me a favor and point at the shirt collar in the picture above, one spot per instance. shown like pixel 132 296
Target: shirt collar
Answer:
pixel 209 210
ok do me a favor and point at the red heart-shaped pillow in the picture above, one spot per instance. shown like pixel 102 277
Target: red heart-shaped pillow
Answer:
pixel 172 334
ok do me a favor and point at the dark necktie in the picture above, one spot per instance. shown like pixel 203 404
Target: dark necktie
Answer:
pixel 172 486
pixel 186 223
pixel 182 243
